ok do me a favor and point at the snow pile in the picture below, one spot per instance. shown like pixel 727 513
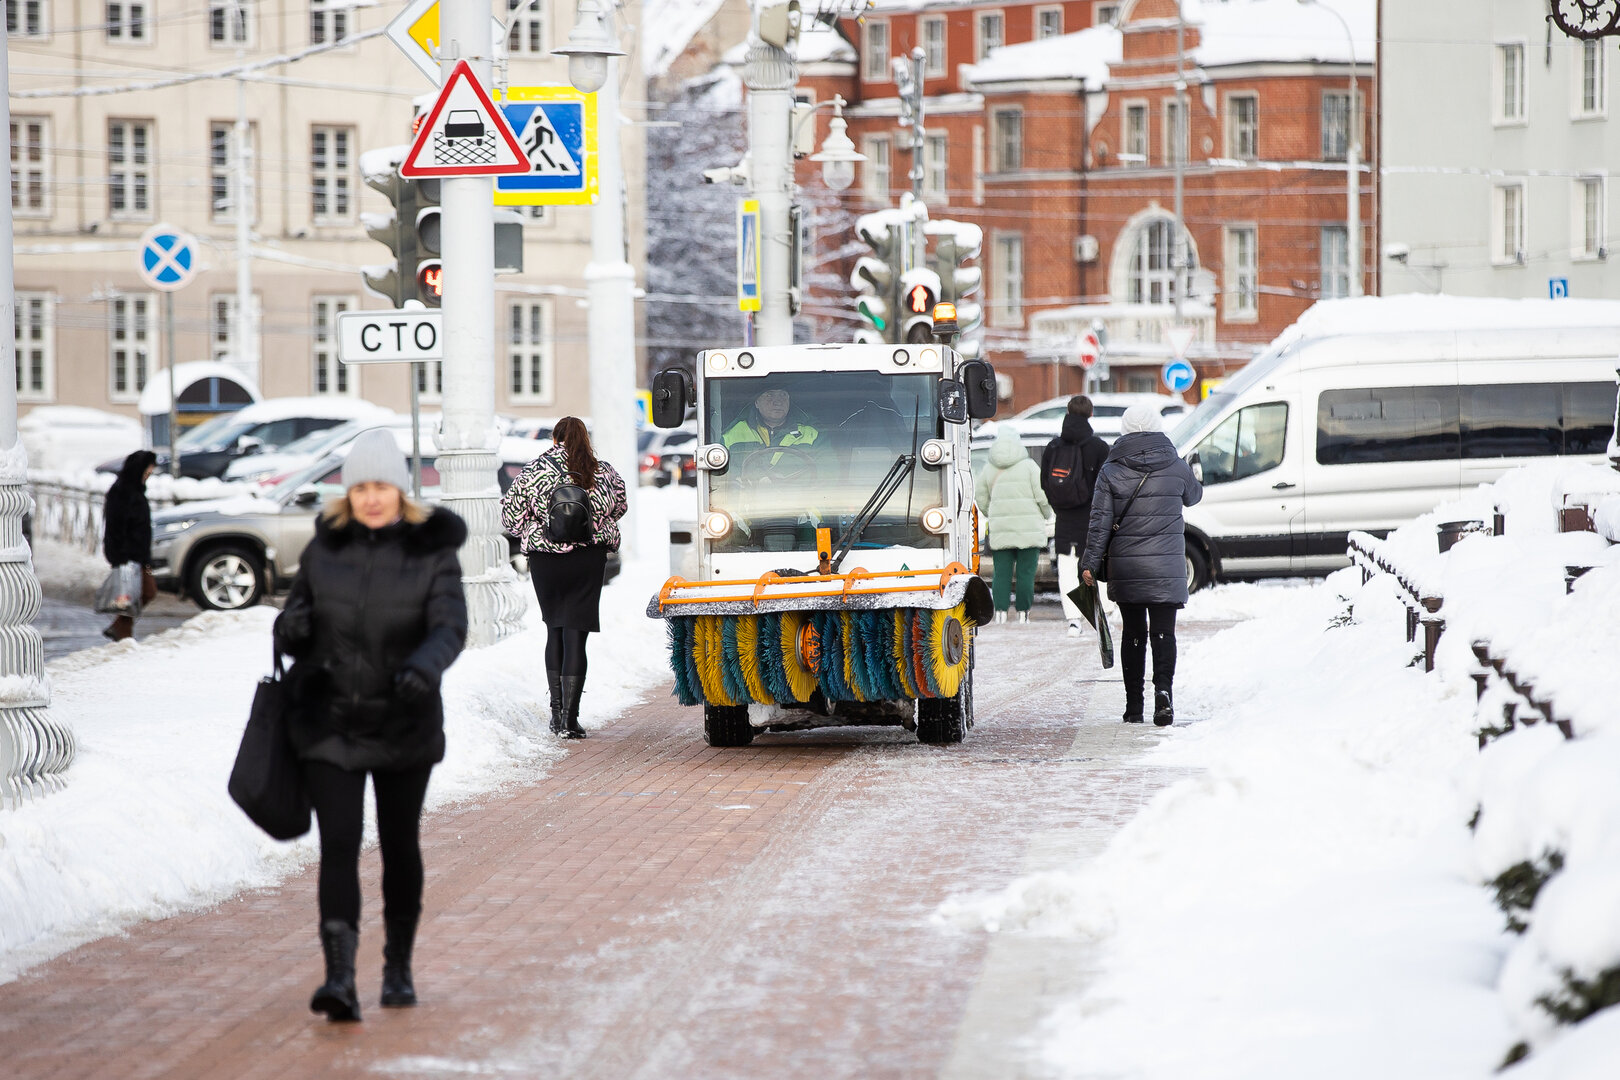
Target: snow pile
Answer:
pixel 1246 31
pixel 668 26
pixel 1084 56
pixel 68 438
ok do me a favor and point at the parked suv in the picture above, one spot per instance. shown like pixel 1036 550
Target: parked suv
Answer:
pixel 208 449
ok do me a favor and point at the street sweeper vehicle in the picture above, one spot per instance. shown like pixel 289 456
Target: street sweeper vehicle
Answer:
pixel 838 554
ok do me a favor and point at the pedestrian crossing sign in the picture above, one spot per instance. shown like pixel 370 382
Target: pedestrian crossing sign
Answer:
pixel 556 131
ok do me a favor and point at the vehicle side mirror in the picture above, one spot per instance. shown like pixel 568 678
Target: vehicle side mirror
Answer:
pixel 249 444
pixel 671 393
pixel 1197 468
pixel 979 383
pixel 953 405
pixel 308 496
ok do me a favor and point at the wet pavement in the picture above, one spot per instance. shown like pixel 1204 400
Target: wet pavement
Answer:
pixel 68 626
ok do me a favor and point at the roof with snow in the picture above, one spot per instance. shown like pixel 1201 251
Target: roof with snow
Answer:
pixel 1420 312
pixel 1085 56
pixel 667 28
pixel 817 43
pixel 1253 31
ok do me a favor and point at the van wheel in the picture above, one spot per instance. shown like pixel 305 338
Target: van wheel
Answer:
pixel 1197 568
pixel 227 578
pixel 727 725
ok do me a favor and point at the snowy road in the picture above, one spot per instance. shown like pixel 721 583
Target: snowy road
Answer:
pixel 68 627
pixel 654 908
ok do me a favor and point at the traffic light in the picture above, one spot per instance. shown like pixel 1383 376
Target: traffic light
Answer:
pixel 877 278
pixel 955 243
pixel 919 289
pixel 411 232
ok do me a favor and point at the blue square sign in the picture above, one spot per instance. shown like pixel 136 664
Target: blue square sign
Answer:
pixel 556 130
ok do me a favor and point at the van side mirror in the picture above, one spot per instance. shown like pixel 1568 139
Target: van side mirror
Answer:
pixel 953 407
pixel 671 394
pixel 979 384
pixel 1197 468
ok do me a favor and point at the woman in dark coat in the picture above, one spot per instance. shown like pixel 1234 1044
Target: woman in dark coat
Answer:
pixel 375 617
pixel 567 576
pixel 1143 487
pixel 127 530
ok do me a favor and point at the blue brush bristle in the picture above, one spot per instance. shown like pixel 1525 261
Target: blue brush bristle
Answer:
pixel 771 671
pixel 831 670
pixel 731 661
pixel 680 658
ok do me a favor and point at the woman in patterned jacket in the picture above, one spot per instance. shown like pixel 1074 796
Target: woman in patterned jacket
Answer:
pixel 567 575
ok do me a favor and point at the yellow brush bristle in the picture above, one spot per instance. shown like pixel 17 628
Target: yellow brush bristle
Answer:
pixel 748 658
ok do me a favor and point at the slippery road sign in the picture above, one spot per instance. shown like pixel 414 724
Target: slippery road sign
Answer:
pixel 556 128
pixel 464 134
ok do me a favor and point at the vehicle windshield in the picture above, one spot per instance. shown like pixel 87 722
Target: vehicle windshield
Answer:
pixel 1194 421
pixel 318 442
pixel 809 449
pixel 215 434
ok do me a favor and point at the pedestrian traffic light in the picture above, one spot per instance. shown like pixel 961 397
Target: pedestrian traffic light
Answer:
pixel 877 277
pixel 919 288
pixel 955 243
pixel 411 232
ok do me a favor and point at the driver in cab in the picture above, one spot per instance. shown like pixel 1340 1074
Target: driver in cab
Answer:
pixel 770 422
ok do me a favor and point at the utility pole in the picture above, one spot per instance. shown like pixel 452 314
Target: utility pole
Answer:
pixel 468 436
pixel 769 74
pixel 244 326
pixel 1179 136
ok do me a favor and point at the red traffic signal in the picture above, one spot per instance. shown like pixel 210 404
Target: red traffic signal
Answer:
pixel 920 300
pixel 430 283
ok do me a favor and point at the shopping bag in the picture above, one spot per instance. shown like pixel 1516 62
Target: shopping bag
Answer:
pixel 266 781
pixel 1088 598
pixel 121 591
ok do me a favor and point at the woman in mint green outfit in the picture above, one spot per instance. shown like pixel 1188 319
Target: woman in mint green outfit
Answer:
pixel 1010 498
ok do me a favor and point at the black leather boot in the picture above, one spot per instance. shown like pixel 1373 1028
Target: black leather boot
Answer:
pixel 572 687
pixel 1133 666
pixel 398 989
pixel 336 997
pixel 1164 712
pixel 558 725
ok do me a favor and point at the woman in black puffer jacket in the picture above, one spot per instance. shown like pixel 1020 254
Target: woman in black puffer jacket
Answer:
pixel 126 519
pixel 1143 486
pixel 375 617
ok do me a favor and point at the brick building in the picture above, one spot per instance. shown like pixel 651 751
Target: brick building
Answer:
pixel 1051 126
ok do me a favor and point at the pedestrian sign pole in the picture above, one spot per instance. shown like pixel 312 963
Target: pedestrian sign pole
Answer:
pixel 167 262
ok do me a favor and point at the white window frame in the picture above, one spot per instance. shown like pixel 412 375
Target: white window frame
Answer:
pixel 126 25
pixel 131 340
pixel 1509 224
pixel 875 59
pixel 1173 109
pixel 329 23
pixel 1589 217
pixel 19 27
pixel 935 60
pixel 936 160
pixel 528 350
pixel 1007 155
pixel 219 171
pixel 1043 11
pixel 235 33
pixel 1590 57
pixel 429 375
pixel 877 171
pixel 337 176
pixel 1136 142
pixel 1502 115
pixel 1235 127
pixel 136 171
pixel 324 308
pixel 1104 14
pixel 1240 300
pixel 1352 113
pixel 983 41
pixel 1007 279
pixel 529 35
pixel 34 319
pixel 30 165
pixel 1140 275
pixel 1334 280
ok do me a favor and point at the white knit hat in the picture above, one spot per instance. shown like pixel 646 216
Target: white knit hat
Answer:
pixel 1142 417
pixel 376 456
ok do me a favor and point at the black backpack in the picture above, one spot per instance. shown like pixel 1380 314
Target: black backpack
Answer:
pixel 1064 481
pixel 568 515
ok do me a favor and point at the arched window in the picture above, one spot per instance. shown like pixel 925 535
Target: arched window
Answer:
pixel 1150 274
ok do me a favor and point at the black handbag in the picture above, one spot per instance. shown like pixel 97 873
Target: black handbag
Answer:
pixel 266 781
pixel 1102 564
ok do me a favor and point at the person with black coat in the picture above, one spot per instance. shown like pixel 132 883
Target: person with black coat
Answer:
pixel 1069 467
pixel 1136 522
pixel 375 617
pixel 126 520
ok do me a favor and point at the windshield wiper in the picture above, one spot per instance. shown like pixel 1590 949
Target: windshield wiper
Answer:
pixel 902 467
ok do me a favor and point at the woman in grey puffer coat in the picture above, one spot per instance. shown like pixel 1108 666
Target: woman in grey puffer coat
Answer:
pixel 1143 486
pixel 1014 506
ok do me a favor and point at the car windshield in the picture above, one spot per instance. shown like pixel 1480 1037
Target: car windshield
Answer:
pixel 809 449
pixel 215 434
pixel 318 442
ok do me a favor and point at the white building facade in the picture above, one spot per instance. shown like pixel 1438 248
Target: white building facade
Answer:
pixel 1501 142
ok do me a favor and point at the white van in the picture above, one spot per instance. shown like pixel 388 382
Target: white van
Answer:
pixel 1367 413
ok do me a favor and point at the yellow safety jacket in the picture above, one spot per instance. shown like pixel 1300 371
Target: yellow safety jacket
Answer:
pixel 745 431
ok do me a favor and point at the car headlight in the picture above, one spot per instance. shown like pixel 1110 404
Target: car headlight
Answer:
pixel 175 528
pixel 935 520
pixel 717 524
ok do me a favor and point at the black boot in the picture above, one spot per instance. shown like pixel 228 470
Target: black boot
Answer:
pixel 558 725
pixel 1133 666
pixel 1164 712
pixel 336 997
pixel 397 987
pixel 572 687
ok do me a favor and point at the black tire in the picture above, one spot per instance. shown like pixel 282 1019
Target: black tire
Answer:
pixel 944 721
pixel 229 577
pixel 1198 575
pixel 727 725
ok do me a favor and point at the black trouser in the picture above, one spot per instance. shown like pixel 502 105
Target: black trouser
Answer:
pixel 339 799
pixel 1138 619
pixel 565 651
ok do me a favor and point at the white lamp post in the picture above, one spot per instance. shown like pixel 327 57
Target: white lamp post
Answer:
pixel 838 154
pixel 1352 162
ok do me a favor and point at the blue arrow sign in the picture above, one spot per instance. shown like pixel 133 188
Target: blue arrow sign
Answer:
pixel 1178 376
pixel 168 257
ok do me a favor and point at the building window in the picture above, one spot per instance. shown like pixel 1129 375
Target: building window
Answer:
pixel 1509 79
pixel 1105 15
pixel 222 170
pixel 1151 275
pixel 1590 224
pixel 328 22
pixel 1243 127
pixel 34 320
pixel 1008 128
pixel 875 54
pixel 1593 93
pixel 1335 125
pixel 127 22
pixel 1048 23
pixel 1508 226
pixel 528 33
pixel 1136 134
pixel 222 325
pixel 1335 262
pixel 129 344
pixel 935 151
pixel 1007 280
pixel 26 19
pixel 528 342
pixel 429 380
pixel 331 376
pixel 992 33
pixel 329 174
pixel 1175 132
pixel 228 22
pixel 933 43
pixel 30 177
pixel 1242 273
pixel 129 168
pixel 875 170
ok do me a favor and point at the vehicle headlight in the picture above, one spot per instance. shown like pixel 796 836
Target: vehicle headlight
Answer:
pixel 175 528
pixel 934 520
pixel 252 477
pixel 934 452
pixel 716 524
pixel 715 456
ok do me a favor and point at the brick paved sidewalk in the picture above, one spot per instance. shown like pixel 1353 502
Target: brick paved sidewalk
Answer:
pixel 651 908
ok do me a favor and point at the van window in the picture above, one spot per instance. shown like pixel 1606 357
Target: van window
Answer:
pixel 1249 442
pixel 1399 423
pixel 1588 417
pixel 1516 420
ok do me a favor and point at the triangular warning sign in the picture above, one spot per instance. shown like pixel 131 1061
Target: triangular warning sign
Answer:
pixel 544 147
pixel 464 134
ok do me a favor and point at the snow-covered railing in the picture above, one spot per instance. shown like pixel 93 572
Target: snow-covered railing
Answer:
pixel 1419 588
pixel 68 507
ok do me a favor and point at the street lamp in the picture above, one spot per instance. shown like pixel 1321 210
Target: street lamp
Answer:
pixel 1352 155
pixel 838 154
pixel 590 44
